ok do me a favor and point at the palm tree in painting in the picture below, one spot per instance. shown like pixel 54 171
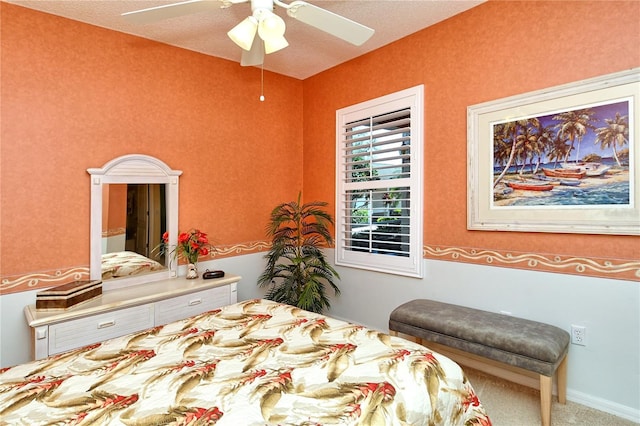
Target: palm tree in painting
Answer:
pixel 559 149
pixel 501 147
pixel 506 138
pixel 535 144
pixel 615 133
pixel 574 124
pixel 523 149
pixel 544 139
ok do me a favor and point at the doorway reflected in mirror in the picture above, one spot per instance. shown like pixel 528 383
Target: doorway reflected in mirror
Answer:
pixel 133 218
pixel 133 222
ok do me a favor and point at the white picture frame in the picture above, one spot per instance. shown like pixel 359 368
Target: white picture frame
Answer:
pixel 574 207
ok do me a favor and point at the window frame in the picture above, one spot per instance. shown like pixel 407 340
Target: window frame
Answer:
pixel 411 99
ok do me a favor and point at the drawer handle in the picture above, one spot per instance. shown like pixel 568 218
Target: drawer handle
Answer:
pixel 107 324
pixel 195 302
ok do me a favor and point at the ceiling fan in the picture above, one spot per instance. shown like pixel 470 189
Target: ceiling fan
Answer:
pixel 264 22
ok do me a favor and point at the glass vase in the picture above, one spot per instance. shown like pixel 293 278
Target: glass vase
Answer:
pixel 192 271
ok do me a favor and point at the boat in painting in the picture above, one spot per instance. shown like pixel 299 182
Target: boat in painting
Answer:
pixel 529 186
pixel 565 173
pixel 597 170
pixel 570 182
pixel 565 182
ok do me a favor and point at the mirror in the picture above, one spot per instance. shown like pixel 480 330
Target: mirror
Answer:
pixel 133 222
pixel 133 217
pixel 134 200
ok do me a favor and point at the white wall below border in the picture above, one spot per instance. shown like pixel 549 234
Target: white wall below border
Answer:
pixel 605 374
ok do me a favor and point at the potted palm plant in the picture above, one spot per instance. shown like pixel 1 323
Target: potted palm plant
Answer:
pixel 297 272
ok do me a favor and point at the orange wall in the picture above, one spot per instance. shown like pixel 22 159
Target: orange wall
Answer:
pixel 498 49
pixel 114 214
pixel 75 96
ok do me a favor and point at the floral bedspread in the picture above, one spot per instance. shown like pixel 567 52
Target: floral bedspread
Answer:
pixel 252 363
pixel 125 263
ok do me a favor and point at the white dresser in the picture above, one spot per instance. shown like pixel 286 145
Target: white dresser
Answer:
pixel 126 310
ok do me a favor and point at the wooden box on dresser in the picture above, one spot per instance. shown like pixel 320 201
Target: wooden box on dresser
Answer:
pixel 126 310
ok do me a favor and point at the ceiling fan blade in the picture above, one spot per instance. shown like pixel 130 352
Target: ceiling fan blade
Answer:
pixel 330 22
pixel 154 14
pixel 255 56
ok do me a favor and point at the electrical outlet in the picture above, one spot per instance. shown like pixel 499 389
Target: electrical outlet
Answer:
pixel 579 335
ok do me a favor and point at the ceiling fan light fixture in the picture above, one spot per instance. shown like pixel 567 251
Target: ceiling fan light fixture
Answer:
pixel 255 56
pixel 244 33
pixel 271 29
pixel 274 44
pixel 270 26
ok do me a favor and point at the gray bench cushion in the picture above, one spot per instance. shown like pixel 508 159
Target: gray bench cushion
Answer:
pixel 515 341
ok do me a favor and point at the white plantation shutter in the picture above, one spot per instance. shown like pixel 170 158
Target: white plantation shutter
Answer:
pixel 379 184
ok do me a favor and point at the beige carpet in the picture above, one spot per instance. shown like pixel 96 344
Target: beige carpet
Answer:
pixel 510 404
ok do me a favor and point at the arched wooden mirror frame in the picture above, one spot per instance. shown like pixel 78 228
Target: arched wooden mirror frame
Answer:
pixel 133 169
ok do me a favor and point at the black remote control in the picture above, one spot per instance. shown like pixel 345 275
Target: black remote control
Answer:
pixel 209 275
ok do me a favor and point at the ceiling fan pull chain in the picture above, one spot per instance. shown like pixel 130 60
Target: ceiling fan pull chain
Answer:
pixel 262 82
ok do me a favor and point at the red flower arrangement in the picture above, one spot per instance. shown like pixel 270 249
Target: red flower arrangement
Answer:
pixel 190 245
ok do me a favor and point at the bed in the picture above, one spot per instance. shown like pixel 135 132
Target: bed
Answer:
pixel 126 263
pixel 255 362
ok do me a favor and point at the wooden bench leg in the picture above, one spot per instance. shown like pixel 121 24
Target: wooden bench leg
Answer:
pixel 562 381
pixel 546 389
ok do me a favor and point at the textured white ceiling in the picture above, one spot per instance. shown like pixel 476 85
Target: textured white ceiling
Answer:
pixel 310 50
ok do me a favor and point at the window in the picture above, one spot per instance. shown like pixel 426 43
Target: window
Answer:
pixel 379 178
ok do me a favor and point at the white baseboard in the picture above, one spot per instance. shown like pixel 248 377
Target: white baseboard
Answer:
pixel 600 404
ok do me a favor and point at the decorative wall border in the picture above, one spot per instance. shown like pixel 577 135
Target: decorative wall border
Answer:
pixel 243 248
pixel 56 277
pixel 603 268
pixel 113 232
pixel 44 279
pixel 623 269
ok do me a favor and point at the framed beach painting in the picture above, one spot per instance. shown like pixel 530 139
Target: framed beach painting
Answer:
pixel 563 159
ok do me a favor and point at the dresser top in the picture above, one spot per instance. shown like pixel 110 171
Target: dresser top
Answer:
pixel 124 297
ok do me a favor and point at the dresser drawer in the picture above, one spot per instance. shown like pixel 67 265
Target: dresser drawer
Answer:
pixel 191 304
pixel 84 331
pixel 137 308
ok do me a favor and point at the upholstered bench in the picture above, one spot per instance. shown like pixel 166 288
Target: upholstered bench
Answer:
pixel 521 344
